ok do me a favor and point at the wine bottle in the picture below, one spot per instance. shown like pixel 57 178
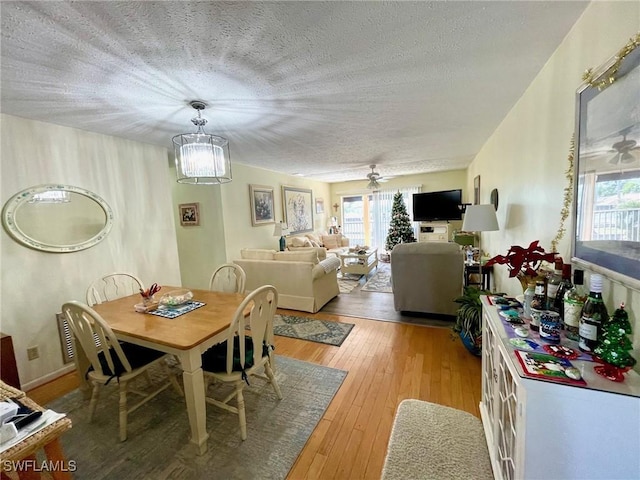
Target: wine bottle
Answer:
pixel 565 286
pixel 538 304
pixel 553 283
pixel 594 314
pixel 573 302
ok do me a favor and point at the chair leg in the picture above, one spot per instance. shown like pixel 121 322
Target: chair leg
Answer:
pixel 241 414
pixel 123 411
pixel 272 378
pixel 172 378
pixel 95 393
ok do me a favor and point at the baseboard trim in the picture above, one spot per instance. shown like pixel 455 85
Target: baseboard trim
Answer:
pixel 48 378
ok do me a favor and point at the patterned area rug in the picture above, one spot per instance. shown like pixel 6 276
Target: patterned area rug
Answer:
pixel 348 283
pixel 380 281
pixel 321 331
pixel 158 445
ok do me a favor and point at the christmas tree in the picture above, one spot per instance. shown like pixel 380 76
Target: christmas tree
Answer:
pixel 400 230
pixel 614 346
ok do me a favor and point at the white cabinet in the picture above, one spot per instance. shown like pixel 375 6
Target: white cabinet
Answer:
pixel 539 429
pixel 433 232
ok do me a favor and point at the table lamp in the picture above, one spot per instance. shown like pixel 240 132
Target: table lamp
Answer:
pixel 480 218
pixel 281 230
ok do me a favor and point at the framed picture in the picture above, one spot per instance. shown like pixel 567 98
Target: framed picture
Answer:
pixel 476 190
pixel 262 211
pixel 298 209
pixel 607 171
pixel 319 205
pixel 189 214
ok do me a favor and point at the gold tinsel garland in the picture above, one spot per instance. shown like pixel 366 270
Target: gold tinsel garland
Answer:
pixel 610 73
pixel 568 197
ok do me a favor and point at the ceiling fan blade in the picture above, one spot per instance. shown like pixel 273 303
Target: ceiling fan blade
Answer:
pixel 615 159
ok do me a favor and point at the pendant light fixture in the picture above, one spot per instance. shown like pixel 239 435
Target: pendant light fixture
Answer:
pixel 201 159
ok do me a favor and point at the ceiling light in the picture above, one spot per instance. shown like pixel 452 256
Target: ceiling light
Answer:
pixel 373 178
pixel 201 158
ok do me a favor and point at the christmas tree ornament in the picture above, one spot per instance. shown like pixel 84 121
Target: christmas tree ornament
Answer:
pixel 613 351
pixel 400 230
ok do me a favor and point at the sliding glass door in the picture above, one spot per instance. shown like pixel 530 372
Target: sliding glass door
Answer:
pixel 366 218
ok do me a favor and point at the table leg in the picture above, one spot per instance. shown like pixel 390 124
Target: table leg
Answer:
pixel 194 396
pixel 56 456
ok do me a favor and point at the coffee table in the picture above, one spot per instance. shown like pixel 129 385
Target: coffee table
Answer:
pixel 358 263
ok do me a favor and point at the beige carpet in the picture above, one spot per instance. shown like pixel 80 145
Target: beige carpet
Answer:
pixel 433 442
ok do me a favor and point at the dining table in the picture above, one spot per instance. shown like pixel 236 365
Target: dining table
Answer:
pixel 186 336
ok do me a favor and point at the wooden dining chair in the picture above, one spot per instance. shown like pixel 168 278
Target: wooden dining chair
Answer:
pixel 113 360
pixel 112 286
pixel 228 277
pixel 242 356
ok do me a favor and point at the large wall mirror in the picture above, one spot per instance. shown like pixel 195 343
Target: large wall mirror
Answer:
pixel 57 218
pixel 607 180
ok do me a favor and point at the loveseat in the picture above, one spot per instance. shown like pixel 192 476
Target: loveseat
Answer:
pixel 332 243
pixel 305 278
pixel 426 277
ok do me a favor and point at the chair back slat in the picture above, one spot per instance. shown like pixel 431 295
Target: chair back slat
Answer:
pixel 113 286
pixel 264 302
pixel 229 278
pixel 86 324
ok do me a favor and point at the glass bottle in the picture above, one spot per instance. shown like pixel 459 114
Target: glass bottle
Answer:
pixel 538 303
pixel 553 283
pixel 573 301
pixel 565 286
pixel 528 296
pixel 594 314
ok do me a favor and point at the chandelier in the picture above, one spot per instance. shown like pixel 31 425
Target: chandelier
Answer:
pixel 201 158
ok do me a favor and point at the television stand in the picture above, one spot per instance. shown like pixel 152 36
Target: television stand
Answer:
pixel 434 232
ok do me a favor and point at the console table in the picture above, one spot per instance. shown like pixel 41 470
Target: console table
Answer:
pixel 544 429
pixel 358 263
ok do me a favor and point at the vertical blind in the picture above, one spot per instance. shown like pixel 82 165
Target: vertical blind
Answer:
pixel 381 203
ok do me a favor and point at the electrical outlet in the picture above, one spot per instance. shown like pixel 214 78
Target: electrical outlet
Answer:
pixel 33 353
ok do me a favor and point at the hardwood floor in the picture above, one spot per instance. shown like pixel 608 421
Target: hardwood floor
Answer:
pixel 387 362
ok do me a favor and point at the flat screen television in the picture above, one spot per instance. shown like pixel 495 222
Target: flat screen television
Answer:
pixel 437 206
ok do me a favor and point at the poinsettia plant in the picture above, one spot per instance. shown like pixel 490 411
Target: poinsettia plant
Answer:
pixel 523 261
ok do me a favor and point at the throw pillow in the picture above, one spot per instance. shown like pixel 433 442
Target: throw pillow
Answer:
pixel 315 244
pixel 314 238
pixel 331 241
pixel 300 242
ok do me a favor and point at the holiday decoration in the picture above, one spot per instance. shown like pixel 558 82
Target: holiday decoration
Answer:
pixel 614 347
pixel 523 263
pixel 400 230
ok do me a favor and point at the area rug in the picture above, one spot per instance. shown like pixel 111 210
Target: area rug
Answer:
pixel 380 281
pixel 321 331
pixel 158 445
pixel 348 283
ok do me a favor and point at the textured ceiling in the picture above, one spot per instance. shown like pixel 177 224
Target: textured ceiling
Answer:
pixel 318 88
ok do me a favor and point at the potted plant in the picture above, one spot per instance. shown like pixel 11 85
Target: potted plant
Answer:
pixel 469 319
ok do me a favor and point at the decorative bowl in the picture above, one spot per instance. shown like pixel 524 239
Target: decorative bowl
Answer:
pixel 176 298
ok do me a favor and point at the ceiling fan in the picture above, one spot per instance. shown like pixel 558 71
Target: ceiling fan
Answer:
pixel 373 178
pixel 623 149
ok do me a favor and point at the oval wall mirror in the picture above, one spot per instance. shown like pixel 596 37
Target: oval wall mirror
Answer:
pixel 57 218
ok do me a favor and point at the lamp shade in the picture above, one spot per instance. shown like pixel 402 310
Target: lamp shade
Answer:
pixel 480 218
pixel 280 229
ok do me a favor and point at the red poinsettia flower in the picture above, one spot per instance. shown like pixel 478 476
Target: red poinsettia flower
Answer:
pixel 523 260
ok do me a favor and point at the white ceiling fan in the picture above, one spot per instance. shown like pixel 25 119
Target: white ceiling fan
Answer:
pixel 373 177
pixel 623 150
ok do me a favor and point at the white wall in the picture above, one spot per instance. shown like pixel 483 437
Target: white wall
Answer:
pixel 526 157
pixel 133 179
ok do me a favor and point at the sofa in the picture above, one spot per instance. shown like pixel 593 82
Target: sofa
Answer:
pixel 332 243
pixel 305 278
pixel 426 277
